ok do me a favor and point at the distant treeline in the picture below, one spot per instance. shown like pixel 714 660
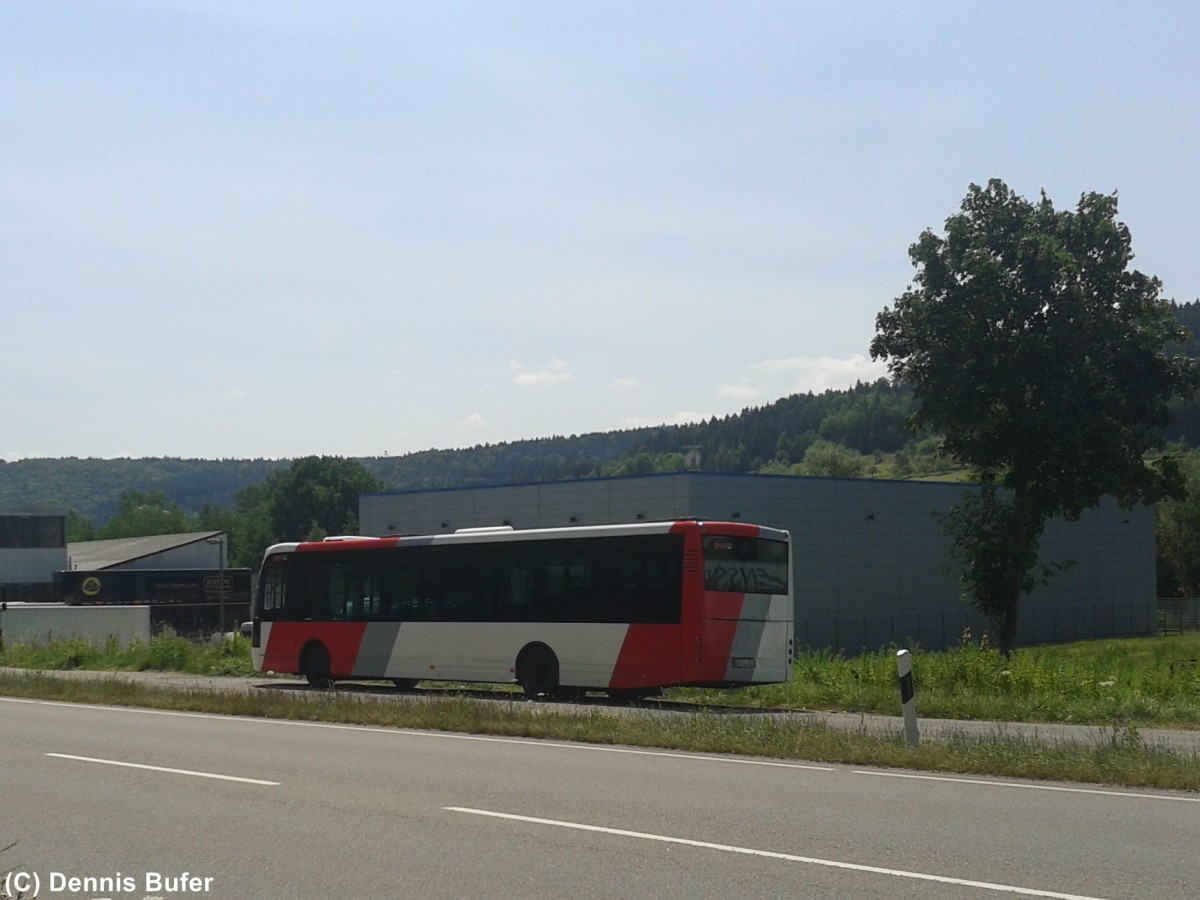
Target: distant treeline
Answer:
pixel 866 419
pixel 862 424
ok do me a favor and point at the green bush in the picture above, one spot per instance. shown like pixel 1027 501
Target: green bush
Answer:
pixel 165 652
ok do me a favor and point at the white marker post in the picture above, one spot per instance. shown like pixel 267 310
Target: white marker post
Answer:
pixel 904 667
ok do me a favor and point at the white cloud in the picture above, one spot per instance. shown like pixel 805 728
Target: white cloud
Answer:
pixel 624 383
pixel 541 379
pixel 554 372
pixel 475 420
pixel 741 391
pixel 800 374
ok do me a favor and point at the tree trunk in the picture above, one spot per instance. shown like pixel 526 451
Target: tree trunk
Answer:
pixel 1023 538
pixel 1005 625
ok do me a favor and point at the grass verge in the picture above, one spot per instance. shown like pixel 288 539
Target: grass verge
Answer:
pixel 1130 681
pixel 1118 757
pixel 165 652
pixel 1147 682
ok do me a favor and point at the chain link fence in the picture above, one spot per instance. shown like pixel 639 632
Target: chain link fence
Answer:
pixel 1178 614
pixel 1046 623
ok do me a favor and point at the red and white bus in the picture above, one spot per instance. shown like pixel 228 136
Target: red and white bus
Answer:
pixel 626 609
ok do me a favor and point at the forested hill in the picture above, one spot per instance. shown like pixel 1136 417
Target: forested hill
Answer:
pixel 93 487
pixel 867 419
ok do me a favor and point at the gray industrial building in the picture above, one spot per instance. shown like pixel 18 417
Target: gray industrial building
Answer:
pixel 870 559
pixel 194 550
pixel 34 552
pixel 33 546
pixel 181 577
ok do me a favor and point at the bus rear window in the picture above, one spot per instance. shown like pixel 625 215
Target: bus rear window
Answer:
pixel 745 565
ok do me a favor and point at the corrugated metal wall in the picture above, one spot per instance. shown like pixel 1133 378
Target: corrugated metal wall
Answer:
pixel 869 556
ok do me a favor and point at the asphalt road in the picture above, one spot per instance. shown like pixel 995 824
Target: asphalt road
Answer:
pixel 125 800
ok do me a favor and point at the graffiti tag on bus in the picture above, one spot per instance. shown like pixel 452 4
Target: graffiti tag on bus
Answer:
pixel 743 580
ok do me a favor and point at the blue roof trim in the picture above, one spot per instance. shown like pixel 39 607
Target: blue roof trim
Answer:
pixel 727 475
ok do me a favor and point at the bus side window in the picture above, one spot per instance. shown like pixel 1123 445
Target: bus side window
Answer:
pixel 406 586
pixel 353 592
pixel 515 584
pixel 308 591
pixel 341 603
pixel 371 603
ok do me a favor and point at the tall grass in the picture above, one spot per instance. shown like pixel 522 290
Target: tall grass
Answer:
pixel 165 652
pixel 1128 681
pixel 1141 681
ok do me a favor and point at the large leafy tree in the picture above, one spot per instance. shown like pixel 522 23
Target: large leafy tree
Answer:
pixel 146 512
pixel 314 497
pixel 1179 538
pixel 1037 352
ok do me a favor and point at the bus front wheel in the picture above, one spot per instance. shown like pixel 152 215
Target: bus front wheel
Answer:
pixel 314 665
pixel 537 671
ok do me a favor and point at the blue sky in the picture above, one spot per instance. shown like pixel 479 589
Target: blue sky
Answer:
pixel 284 228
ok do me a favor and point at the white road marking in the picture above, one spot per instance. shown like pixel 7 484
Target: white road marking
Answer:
pixel 1028 786
pixel 771 854
pixel 132 765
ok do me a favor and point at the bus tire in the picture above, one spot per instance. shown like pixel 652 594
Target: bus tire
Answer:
pixel 404 684
pixel 537 671
pixel 314 665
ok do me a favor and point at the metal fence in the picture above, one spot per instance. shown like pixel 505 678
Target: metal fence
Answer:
pixel 1178 614
pixel 854 634
pixel 1044 623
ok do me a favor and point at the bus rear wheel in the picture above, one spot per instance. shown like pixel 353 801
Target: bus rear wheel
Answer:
pixel 537 671
pixel 314 665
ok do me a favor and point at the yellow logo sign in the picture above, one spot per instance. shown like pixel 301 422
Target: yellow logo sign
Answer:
pixel 91 586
